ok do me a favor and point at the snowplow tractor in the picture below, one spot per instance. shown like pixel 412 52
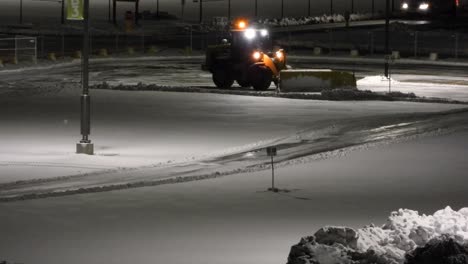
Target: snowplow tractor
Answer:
pixel 246 57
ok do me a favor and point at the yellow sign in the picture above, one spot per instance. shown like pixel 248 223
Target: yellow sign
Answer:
pixel 75 9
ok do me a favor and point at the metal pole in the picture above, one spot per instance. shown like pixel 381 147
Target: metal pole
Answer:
pixel 191 38
pixel 157 8
pixel 63 45
pixel 331 7
pixel 373 7
pixel 387 35
pixel 272 175
pixel 308 9
pixel 282 8
pixel 352 6
pixel 229 10
pixel 16 49
pixel 201 11
pixel 63 12
pixel 21 12
pixel 456 45
pixel 85 146
pixel 415 44
pixel 109 12
pixel 256 8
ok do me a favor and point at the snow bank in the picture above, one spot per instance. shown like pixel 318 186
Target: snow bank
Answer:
pixel 291 21
pixel 404 231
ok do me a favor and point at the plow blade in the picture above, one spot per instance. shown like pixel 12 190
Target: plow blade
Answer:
pixel 315 80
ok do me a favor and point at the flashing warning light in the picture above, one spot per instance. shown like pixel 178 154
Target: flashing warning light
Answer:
pixel 257 55
pixel 279 55
pixel 242 24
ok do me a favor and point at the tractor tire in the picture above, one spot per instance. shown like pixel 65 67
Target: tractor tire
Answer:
pixel 260 77
pixel 222 79
pixel 243 83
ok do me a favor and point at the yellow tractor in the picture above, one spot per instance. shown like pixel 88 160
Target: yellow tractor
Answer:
pixel 245 57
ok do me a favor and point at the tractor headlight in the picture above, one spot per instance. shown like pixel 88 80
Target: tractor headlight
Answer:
pixel 250 33
pixel 264 33
pixel 279 55
pixel 404 6
pixel 424 6
pixel 257 55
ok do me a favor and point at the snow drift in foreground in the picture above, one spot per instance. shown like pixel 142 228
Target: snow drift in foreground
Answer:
pixel 404 231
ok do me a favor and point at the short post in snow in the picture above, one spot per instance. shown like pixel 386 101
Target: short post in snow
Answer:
pixel 271 151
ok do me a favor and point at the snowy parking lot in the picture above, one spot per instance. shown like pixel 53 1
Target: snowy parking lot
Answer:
pixel 344 163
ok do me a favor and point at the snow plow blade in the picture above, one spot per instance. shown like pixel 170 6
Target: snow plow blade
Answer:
pixel 296 81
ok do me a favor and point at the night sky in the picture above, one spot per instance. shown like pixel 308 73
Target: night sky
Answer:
pixel 34 10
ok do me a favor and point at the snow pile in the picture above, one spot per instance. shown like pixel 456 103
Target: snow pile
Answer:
pixel 291 21
pixel 404 231
pixel 376 80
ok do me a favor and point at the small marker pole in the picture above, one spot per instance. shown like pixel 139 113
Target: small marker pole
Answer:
pixel 271 151
pixel 272 174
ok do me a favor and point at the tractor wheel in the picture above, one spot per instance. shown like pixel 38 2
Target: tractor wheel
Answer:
pixel 243 83
pixel 222 79
pixel 260 77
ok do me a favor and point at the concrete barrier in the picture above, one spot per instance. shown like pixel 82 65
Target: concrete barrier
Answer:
pixel 130 51
pixel 103 53
pixel 315 80
pixel 152 50
pixel 433 56
pixel 51 56
pixel 354 53
pixel 77 54
pixel 317 51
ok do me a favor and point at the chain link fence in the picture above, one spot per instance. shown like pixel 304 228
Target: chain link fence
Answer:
pixel 410 44
pixel 16 49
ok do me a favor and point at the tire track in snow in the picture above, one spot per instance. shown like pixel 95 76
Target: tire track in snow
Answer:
pixel 307 146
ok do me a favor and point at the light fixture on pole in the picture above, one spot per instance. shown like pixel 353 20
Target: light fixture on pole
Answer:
pixel 387 37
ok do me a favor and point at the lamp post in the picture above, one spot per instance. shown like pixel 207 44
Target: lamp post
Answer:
pixel 308 9
pixel 387 37
pixel 229 10
pixel 331 7
pixel 85 146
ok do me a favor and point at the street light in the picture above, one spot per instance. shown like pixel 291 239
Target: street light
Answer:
pixel 85 146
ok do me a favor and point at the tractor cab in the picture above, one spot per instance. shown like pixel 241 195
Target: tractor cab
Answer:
pixel 246 56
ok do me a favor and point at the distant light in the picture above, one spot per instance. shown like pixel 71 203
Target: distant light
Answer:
pixel 250 33
pixel 279 55
pixel 404 6
pixel 424 6
pixel 264 32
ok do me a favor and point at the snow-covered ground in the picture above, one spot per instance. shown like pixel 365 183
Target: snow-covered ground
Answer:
pixel 454 88
pixel 233 219
pixel 352 178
